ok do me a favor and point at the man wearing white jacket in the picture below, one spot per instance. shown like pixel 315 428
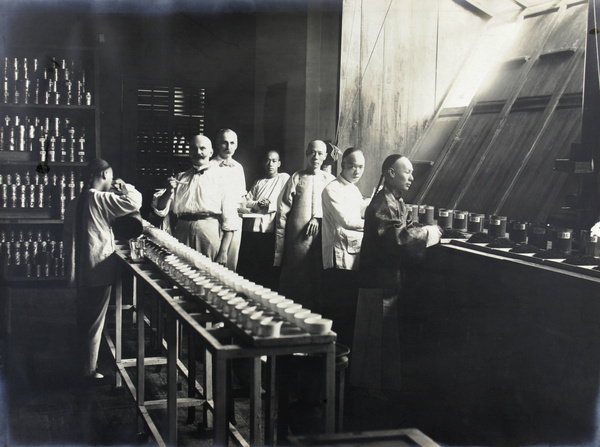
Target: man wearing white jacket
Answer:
pixel 90 243
pixel 343 223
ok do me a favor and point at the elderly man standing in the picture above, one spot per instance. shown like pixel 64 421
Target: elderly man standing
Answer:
pixel 206 218
pixel 298 230
pixel 258 242
pixel 389 241
pixel 234 179
pixel 343 223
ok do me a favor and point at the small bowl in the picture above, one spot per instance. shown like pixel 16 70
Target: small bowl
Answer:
pixel 255 321
pixel 237 310
pixel 229 306
pixel 283 305
pixel 306 316
pixel 290 311
pixel 274 301
pixel 301 315
pixel 243 317
pixel 318 326
pixel 270 328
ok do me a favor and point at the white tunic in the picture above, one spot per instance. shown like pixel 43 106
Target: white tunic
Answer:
pixel 94 225
pixel 269 189
pixel 343 223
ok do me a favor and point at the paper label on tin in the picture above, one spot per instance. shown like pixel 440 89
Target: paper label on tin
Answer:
pixel 564 235
pixel 494 221
pixel 421 210
pixel 475 219
pixel 459 216
pixel 519 226
pixel 443 213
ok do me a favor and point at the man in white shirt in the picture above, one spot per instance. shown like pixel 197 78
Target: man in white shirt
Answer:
pixel 343 223
pixel 258 241
pixel 234 179
pixel 90 244
pixel 206 218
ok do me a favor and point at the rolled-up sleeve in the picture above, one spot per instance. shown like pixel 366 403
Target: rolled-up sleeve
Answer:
pixel 164 212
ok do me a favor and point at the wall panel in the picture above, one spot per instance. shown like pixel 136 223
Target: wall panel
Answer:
pixel 458 160
pixel 387 98
pixel 502 161
pixel 538 185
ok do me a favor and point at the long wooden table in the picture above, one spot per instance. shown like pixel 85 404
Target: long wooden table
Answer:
pixel 217 344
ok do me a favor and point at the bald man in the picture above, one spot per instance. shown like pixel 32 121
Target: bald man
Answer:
pixel 206 216
pixel 298 230
pixel 232 173
pixel 343 223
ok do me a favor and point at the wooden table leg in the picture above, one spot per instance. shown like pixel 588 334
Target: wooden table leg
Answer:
pixel 191 382
pixel 208 386
pixel 271 402
pixel 140 355
pixel 255 403
pixel 118 325
pixel 220 402
pixel 171 334
pixel 330 389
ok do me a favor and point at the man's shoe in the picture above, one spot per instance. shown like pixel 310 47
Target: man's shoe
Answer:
pixel 95 376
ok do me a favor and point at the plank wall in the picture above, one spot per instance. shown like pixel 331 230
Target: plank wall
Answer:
pixel 499 157
pixel 398 60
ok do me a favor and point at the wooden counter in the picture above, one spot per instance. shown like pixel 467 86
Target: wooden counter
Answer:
pixel 500 350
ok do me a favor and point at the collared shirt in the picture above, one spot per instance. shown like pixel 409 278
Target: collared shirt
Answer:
pixel 269 189
pixel 234 178
pixel 343 208
pixel 98 213
pixel 200 193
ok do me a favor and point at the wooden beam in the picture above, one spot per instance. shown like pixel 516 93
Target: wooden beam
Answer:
pixel 477 7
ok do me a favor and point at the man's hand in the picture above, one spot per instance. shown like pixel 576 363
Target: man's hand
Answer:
pixel 434 234
pixel 221 258
pixel 264 203
pixel 313 227
pixel 171 183
pixel 119 186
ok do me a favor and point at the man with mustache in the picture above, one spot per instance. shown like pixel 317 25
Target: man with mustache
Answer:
pixel 206 218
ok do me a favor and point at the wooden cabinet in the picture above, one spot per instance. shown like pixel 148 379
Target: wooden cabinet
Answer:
pixel 49 130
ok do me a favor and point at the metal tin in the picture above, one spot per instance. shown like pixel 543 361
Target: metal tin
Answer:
pixel 518 232
pixel 445 218
pixel 475 223
pixel 497 226
pixel 459 221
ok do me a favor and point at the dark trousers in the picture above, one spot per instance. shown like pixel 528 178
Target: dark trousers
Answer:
pixel 340 296
pixel 256 259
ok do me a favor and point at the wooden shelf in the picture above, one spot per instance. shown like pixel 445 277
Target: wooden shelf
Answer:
pixel 48 106
pixel 22 213
pixel 65 164
pixel 29 221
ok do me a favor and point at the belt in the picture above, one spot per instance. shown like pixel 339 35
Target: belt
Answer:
pixel 198 216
